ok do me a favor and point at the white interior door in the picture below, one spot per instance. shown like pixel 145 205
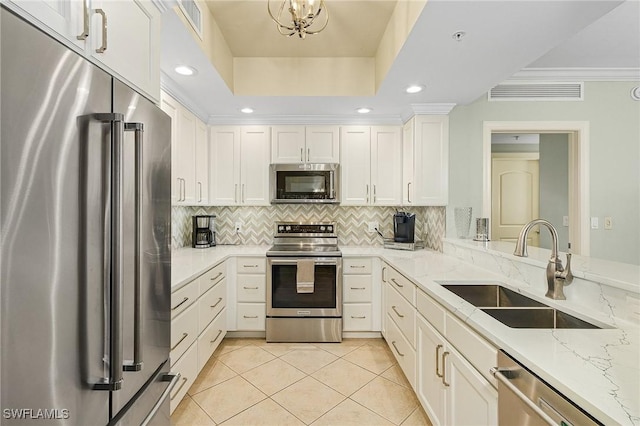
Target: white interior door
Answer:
pixel 515 188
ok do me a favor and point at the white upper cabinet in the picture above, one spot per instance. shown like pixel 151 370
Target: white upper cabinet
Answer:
pixel 426 161
pixel 121 36
pixel 239 157
pixel 305 144
pixel 202 164
pixel 371 168
pixel 184 149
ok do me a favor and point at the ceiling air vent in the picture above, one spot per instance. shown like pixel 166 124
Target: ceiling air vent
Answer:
pixel 193 13
pixel 535 91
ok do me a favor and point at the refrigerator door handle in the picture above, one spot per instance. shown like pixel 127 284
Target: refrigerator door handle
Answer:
pixel 173 377
pixel 136 364
pixel 113 247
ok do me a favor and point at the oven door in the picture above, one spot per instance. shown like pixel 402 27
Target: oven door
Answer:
pixel 283 299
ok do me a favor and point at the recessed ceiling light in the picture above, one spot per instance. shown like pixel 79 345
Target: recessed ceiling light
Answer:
pixel 185 70
pixel 247 110
pixel 363 110
pixel 458 35
pixel 414 88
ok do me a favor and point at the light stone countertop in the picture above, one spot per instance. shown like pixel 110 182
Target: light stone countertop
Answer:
pixel 598 369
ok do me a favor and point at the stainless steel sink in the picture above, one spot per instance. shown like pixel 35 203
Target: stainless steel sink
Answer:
pixel 514 309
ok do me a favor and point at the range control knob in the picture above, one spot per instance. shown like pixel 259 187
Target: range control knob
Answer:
pixel 288 228
pixel 330 228
pixel 322 229
pixel 280 228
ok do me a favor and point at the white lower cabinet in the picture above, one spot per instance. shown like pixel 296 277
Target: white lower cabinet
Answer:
pixel 251 283
pixel 198 325
pixel 450 389
pixel 361 298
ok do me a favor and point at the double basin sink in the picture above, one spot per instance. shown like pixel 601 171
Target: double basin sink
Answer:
pixel 514 309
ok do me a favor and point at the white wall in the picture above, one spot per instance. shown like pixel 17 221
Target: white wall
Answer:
pixel 554 186
pixel 614 158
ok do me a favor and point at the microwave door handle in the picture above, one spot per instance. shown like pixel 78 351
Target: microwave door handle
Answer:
pixel 136 363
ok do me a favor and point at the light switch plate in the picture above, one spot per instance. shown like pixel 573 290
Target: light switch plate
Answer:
pixel 594 223
pixel 565 220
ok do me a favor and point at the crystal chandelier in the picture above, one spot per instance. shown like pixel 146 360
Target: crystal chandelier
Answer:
pixel 303 16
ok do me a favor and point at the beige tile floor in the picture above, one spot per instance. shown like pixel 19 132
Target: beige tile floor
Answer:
pixel 251 382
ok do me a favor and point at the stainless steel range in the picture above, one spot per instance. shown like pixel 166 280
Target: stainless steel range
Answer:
pixel 304 284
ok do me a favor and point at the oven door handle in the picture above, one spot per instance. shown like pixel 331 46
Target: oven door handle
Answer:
pixel 294 261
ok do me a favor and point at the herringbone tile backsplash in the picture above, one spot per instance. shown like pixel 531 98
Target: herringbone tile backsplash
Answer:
pixel 258 223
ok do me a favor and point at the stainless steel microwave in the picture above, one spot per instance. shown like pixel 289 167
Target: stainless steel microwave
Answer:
pixel 305 183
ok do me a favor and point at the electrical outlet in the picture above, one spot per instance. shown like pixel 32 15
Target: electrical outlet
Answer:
pixel 372 226
pixel 238 227
pixel 608 222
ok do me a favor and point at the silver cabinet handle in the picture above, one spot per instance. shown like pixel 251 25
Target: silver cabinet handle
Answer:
pixel 184 336
pixel 358 288
pixel 184 380
pixel 217 303
pixel 438 360
pixel 357 266
pixel 361 317
pixel 249 317
pixel 250 288
pixel 374 193
pixel 173 378
pixel 180 304
pixel 216 277
pixel 393 280
pixel 114 260
pixel 308 154
pixel 249 266
pixel 409 192
pixel 103 47
pixel 235 193
pixel 524 398
pixel 384 278
pixel 85 21
pixel 199 192
pixel 396 311
pixel 396 348
pixel 367 193
pixel 242 193
pixel 301 158
pixel 184 189
pixel 137 363
pixel 216 338
pixel 444 368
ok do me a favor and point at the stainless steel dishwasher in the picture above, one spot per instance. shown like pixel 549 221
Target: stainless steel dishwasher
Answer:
pixel 525 399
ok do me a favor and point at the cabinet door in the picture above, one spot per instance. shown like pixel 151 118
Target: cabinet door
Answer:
pixel 287 145
pixel 224 161
pixel 471 400
pixel 254 165
pixel 323 144
pixel 186 155
pixel 386 165
pixel 131 41
pixel 431 161
pixel 66 18
pixel 202 164
pixel 429 387
pixel 171 107
pixel 407 163
pixel 355 155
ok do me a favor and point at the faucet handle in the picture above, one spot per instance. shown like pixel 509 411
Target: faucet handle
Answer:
pixel 566 275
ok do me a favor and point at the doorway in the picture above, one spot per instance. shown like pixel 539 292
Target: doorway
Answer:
pixel 577 134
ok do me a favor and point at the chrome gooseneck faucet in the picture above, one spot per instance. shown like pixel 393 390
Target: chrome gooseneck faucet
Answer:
pixel 557 276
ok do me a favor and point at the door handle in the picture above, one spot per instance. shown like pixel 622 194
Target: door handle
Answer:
pixel 85 21
pixel 103 46
pixel 396 311
pixel 409 192
pixel 216 338
pixel 136 364
pixel 367 193
pixel 216 277
pixel 173 379
pixel 308 154
pixel 235 193
pixel 199 192
pixel 444 368
pixel 301 159
pixel 393 280
pixel 114 263
pixel 396 348
pixel 184 336
pixel 217 303
pixel 384 278
pixel 250 288
pixel 374 193
pixel 180 304
pixel 242 193
pixel 438 360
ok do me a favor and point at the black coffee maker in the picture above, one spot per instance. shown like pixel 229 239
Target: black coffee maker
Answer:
pixel 404 227
pixel 204 231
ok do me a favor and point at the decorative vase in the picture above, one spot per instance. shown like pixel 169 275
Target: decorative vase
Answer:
pixel 462 216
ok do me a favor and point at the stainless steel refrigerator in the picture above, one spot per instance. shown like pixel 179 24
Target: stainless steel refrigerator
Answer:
pixel 85 240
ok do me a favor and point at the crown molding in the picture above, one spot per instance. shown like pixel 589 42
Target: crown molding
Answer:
pixel 164 5
pixel 430 109
pixel 250 119
pixel 173 89
pixel 579 74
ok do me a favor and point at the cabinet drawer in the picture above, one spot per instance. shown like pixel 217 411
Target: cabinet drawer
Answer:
pixel 356 266
pixel 357 317
pixel 187 366
pixel 402 313
pixel 181 299
pixel 405 287
pixel 252 265
pixel 252 288
pixel 212 277
pixel 184 331
pixel 251 316
pixel 402 351
pixel 480 353
pixel 211 338
pixel 357 288
pixel 210 304
pixel 432 311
